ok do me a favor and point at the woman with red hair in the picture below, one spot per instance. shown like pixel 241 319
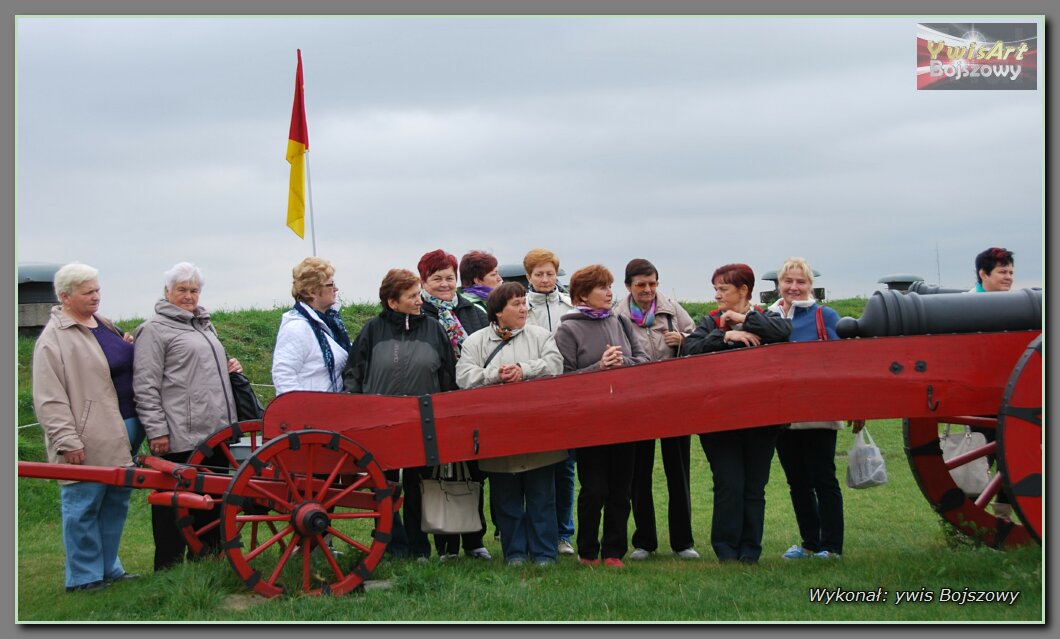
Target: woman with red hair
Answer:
pixel 593 338
pixel 460 318
pixel 739 459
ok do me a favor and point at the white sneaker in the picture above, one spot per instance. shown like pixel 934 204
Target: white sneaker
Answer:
pixel 687 553
pixel 480 553
pixel 564 547
pixel 444 558
pixel 639 554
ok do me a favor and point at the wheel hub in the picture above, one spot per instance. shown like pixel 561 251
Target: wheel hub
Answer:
pixel 310 518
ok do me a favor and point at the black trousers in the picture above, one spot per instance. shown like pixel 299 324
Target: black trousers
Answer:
pixel 739 462
pixel 808 459
pixel 170 545
pixel 675 455
pixel 450 544
pixel 606 475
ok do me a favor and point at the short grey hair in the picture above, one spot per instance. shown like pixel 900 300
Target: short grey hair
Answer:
pixel 184 272
pixel 73 275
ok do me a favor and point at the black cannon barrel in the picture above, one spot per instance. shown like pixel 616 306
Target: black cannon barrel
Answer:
pixel 892 313
pixel 923 288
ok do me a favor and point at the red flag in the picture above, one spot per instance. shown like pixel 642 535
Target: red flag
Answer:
pixel 297 145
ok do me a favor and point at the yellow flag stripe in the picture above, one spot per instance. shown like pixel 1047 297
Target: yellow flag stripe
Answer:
pixel 296 194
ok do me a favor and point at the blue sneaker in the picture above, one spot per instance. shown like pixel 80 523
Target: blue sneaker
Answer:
pixel 797 552
pixel 824 554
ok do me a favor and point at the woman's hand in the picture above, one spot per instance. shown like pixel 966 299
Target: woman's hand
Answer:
pixel 127 337
pixel 856 425
pixel 745 338
pixel 673 338
pixel 75 457
pixel 510 373
pixel 234 366
pixel 612 357
pixel 160 445
pixel 732 317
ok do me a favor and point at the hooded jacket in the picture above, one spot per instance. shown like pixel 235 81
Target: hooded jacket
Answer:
pixel 180 377
pixel 297 363
pixel 547 309
pixel 400 354
pixel 73 395
pixel 652 338
pixel 582 341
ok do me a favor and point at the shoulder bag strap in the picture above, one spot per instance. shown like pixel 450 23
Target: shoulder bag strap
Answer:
pixel 822 334
pixel 495 351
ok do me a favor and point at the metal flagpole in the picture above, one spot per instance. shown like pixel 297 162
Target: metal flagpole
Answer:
pixel 309 185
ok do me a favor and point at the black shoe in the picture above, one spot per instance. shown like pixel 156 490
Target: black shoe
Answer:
pixel 125 576
pixel 92 585
pixel 750 561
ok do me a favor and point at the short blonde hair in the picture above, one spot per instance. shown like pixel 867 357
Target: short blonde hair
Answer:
pixel 793 263
pixel 309 276
pixel 539 256
pixel 73 275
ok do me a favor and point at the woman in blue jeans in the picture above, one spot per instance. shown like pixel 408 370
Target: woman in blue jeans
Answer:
pixel 807 452
pixel 83 397
pixel 522 491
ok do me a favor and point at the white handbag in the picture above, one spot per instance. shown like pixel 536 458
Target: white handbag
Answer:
pixel 973 476
pixel 450 506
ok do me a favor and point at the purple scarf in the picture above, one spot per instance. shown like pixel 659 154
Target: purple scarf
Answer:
pixel 480 291
pixel 594 313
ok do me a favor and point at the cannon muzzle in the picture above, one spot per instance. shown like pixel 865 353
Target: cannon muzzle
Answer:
pixel 890 313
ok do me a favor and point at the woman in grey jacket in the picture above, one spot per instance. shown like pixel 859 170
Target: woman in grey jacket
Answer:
pixel 591 339
pixel 183 394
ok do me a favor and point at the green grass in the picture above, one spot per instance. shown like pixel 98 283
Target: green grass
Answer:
pixel 894 540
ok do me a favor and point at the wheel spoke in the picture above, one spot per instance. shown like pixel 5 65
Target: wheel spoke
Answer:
pixel 371 515
pixel 285 556
pixel 268 494
pixel 269 542
pixel 361 481
pixel 989 492
pixel 349 540
pixel 288 478
pixel 331 477
pixel 970 456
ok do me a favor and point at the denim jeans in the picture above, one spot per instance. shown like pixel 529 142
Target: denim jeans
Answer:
pixel 564 474
pixel 136 434
pixel 524 504
pixel 93 519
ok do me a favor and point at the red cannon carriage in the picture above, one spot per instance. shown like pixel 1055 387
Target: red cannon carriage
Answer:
pixel 304 503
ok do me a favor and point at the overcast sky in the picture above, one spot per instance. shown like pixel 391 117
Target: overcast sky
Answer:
pixel 691 141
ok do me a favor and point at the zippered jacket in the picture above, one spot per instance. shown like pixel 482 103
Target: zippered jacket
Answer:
pixel 400 354
pixel 652 338
pixel 547 309
pixel 180 377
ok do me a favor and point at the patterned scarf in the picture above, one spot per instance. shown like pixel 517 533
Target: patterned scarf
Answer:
pixel 480 291
pixel 639 317
pixel 505 333
pixel 333 321
pixel 450 322
pixel 594 313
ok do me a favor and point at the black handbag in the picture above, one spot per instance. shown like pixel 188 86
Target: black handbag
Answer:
pixel 247 405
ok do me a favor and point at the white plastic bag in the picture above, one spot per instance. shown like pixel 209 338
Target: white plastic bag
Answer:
pixel 865 467
pixel 973 476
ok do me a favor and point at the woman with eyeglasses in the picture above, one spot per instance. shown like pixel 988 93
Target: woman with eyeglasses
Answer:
pixel 312 345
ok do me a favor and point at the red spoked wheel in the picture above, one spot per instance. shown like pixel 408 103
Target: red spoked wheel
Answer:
pixel 1019 438
pixel 330 507
pixel 968 514
pixel 222 453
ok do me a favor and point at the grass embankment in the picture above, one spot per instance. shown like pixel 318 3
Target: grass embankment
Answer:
pixel 894 541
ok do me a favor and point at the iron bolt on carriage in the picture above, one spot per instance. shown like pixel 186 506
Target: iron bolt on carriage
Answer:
pixel 304 503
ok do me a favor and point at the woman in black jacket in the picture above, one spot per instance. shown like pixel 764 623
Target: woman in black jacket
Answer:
pixel 402 352
pixel 460 318
pixel 739 459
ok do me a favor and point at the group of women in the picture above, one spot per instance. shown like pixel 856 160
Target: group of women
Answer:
pixel 98 393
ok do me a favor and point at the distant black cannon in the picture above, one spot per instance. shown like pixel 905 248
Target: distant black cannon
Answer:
pixel 923 288
pixel 890 313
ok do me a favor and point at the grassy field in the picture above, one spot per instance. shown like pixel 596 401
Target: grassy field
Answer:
pixel 894 542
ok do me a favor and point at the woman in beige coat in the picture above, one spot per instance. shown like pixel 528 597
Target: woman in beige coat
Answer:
pixel 82 391
pixel 522 487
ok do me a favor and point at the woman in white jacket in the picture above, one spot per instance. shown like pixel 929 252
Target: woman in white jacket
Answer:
pixel 312 345
pixel 523 495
